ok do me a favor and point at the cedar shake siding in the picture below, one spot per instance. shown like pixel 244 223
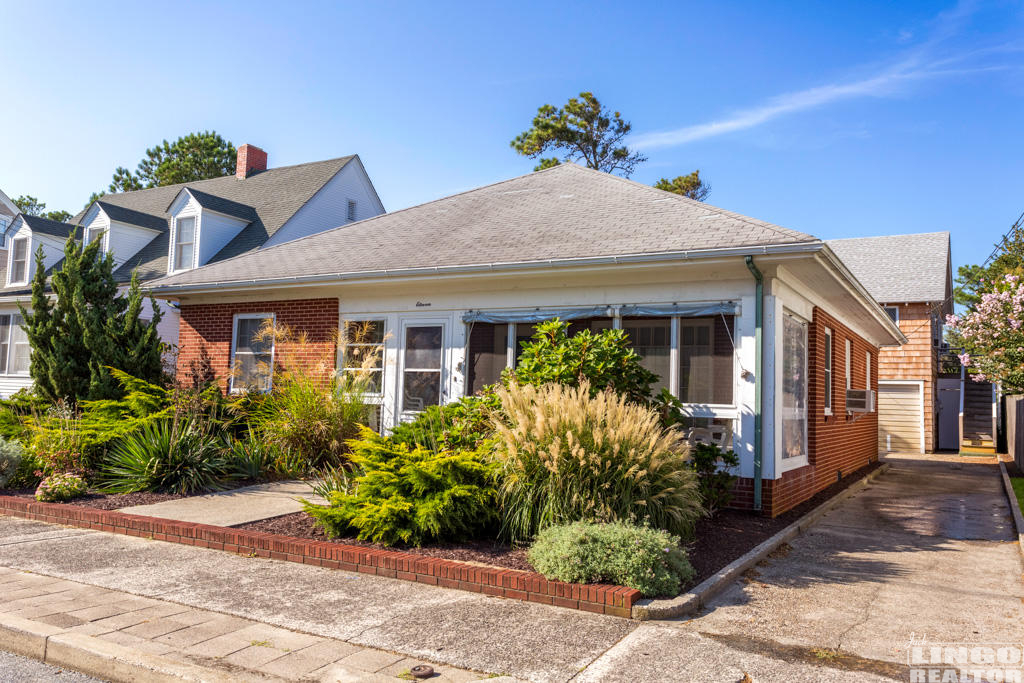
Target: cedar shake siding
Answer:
pixel 208 326
pixel 915 360
pixel 838 444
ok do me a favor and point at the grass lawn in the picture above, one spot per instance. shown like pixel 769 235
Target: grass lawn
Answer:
pixel 1018 488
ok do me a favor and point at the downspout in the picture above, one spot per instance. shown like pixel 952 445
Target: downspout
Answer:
pixel 758 365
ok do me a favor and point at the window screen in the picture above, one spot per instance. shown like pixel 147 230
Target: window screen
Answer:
pixel 706 360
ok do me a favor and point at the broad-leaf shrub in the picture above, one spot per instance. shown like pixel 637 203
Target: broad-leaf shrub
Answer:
pixel 464 424
pixel 605 360
pixel 11 455
pixel 714 469
pixel 60 487
pixel 567 455
pixel 410 494
pixel 649 560
pixel 169 456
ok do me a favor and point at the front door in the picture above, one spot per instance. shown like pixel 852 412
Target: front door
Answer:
pixel 422 380
pixel 949 413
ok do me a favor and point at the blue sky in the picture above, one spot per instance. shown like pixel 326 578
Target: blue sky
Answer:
pixel 864 119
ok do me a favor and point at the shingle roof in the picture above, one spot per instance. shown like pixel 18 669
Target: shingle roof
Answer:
pixel 48 227
pixel 268 199
pixel 222 205
pixel 899 268
pixel 563 212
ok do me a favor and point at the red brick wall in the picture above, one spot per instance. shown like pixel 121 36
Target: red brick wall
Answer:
pixel 838 444
pixel 209 326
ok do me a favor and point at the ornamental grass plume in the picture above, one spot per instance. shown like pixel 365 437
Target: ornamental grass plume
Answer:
pixel 568 456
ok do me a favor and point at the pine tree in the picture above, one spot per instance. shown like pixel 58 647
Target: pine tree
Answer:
pixel 80 327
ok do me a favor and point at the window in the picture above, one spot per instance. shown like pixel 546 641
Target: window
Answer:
pixel 3 231
pixel 15 351
pixel 488 355
pixel 93 235
pixel 363 352
pixel 351 211
pixel 252 352
pixel 19 260
pixel 849 362
pixel 184 242
pixel 794 388
pixel 894 313
pixel 706 360
pixel 828 371
pixel 421 367
pixel 652 340
pixel 867 372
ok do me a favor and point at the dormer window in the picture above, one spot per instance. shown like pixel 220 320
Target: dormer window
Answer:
pixel 94 234
pixel 19 260
pixel 184 242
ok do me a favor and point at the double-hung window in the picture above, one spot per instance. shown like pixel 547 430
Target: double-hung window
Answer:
pixel 93 235
pixel 828 371
pixel 184 242
pixel 252 352
pixel 867 372
pixel 849 364
pixel 19 260
pixel 15 351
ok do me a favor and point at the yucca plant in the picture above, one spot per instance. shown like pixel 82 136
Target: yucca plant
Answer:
pixel 168 456
pixel 570 456
pixel 252 458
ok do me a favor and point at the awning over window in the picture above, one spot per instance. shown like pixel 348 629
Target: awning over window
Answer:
pixel 692 310
pixel 688 310
pixel 536 315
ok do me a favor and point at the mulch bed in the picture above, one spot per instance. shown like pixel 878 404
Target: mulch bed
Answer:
pixel 719 539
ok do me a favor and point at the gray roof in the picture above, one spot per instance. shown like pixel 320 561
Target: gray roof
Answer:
pixel 267 199
pixel 899 268
pixel 48 227
pixel 561 213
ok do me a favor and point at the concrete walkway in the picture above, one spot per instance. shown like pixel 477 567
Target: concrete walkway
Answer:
pixel 924 552
pixel 237 506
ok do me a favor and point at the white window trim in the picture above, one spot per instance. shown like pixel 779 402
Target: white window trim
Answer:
pixel 867 371
pixel 174 243
pixel 104 236
pixel 28 261
pixel 787 464
pixel 443 396
pixel 234 343
pixel 8 372
pixel 830 357
pixel 378 398
pixel 849 363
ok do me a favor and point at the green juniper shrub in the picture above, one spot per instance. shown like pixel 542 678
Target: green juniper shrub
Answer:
pixel 649 560
pixel 605 360
pixel 60 487
pixel 568 455
pixel 405 494
pixel 714 474
pixel 464 424
pixel 11 455
pixel 169 456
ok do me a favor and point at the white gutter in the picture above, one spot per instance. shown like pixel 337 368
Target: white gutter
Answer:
pixel 862 293
pixel 329 278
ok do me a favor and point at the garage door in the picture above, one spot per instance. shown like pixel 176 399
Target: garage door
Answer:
pixel 899 417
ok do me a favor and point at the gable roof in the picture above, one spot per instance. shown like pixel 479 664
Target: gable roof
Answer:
pixel 267 200
pixel 45 226
pixel 566 212
pixel 899 268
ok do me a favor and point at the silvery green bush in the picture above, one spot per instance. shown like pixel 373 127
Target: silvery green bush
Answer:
pixel 649 560
pixel 11 454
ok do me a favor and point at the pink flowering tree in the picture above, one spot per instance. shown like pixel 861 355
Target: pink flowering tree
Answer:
pixel 992 335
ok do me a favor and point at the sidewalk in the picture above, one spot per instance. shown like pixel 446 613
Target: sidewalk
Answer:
pixel 77 626
pixel 237 506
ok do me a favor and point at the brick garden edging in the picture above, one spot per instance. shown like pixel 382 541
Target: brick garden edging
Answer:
pixel 508 583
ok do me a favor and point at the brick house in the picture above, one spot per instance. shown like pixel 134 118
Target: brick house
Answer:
pixel 911 277
pixel 746 322
pixel 176 228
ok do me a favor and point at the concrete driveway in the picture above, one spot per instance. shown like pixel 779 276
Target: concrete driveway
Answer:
pixel 924 552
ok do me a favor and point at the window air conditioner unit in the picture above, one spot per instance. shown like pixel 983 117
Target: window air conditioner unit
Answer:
pixel 860 401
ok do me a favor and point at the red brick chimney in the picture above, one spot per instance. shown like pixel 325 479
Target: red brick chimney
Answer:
pixel 251 160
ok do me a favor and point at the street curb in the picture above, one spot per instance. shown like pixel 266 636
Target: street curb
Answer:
pixel 100 658
pixel 1018 518
pixel 688 603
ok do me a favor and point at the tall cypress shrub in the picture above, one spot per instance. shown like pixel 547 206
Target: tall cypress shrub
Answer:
pixel 80 326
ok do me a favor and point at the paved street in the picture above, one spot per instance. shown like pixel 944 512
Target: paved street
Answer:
pixel 923 552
